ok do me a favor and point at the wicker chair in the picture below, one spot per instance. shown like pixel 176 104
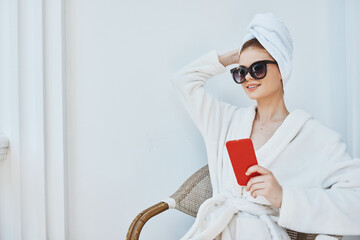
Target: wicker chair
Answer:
pixel 192 193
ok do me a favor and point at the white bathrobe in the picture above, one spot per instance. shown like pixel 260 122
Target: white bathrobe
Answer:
pixel 320 181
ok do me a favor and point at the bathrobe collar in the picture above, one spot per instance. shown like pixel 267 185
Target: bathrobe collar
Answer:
pixel 290 127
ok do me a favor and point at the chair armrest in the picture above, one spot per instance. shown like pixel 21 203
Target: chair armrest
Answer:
pixel 140 220
pixel 188 198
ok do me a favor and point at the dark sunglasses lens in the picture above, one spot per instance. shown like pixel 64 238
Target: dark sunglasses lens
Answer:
pixel 239 75
pixel 258 70
pixel 242 73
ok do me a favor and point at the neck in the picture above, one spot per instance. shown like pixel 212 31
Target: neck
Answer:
pixel 271 110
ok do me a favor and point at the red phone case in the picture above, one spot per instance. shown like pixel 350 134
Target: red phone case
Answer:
pixel 242 156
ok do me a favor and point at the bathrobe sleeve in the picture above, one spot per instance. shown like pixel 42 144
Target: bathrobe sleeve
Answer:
pixel 333 208
pixel 206 111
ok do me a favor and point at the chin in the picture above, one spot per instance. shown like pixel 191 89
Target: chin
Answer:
pixel 253 97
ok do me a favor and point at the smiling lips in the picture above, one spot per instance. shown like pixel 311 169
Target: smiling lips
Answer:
pixel 252 87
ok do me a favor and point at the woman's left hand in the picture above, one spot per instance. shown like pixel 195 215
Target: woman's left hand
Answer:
pixel 264 185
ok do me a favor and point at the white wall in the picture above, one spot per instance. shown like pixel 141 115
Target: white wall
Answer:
pixel 120 140
pixel 131 143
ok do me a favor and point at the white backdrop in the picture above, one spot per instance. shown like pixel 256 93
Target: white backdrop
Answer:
pixel 97 131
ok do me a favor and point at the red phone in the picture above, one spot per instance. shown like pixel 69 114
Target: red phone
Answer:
pixel 242 156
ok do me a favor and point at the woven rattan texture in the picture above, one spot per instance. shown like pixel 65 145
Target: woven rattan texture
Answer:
pixel 306 236
pixel 300 236
pixel 193 192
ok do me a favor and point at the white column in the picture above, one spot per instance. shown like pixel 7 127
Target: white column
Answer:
pixel 352 31
pixel 55 124
pixel 10 190
pixel 33 193
pixel 31 119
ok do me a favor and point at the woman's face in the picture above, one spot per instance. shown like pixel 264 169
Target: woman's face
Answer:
pixel 271 84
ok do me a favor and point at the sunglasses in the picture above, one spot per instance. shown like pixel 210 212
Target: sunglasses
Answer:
pixel 257 70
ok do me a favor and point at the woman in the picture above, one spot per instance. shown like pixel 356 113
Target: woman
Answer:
pixel 308 181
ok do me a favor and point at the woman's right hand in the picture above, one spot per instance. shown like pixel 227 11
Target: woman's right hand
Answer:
pixel 229 58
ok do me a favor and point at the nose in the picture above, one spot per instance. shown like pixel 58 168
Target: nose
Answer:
pixel 247 76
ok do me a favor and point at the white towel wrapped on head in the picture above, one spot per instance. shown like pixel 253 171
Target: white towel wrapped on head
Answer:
pixel 274 36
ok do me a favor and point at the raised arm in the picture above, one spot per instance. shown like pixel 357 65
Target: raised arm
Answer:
pixel 229 58
pixel 333 208
pixel 206 111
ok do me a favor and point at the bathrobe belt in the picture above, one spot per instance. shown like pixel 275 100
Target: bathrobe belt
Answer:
pixel 230 205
